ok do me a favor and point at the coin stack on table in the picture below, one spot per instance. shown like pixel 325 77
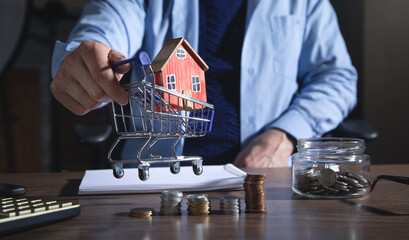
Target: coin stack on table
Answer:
pixel 254 193
pixel 326 183
pixel 198 204
pixel 171 203
pixel 141 212
pixel 230 205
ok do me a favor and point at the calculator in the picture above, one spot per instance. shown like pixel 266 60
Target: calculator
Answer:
pixel 21 213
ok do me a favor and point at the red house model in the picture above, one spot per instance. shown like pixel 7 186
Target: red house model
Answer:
pixel 179 68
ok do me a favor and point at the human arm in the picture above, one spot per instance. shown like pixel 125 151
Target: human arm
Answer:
pixel 325 76
pixel 83 78
pixel 327 80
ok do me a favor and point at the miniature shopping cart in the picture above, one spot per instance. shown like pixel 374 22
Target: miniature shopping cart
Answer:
pixel 150 116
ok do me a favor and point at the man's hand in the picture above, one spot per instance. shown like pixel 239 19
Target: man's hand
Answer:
pixel 270 149
pixel 85 80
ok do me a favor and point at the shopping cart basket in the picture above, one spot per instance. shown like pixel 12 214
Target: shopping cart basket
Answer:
pixel 150 116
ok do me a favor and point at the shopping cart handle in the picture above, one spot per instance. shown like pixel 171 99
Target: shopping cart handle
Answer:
pixel 130 60
pixel 144 59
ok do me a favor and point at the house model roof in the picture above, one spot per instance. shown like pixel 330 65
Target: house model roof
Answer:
pixel 169 49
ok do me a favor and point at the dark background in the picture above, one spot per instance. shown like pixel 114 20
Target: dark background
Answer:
pixel 36 132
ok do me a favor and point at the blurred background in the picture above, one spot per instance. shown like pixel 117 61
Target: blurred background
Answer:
pixel 38 134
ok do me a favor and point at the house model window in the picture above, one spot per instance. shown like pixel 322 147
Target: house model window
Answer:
pixel 171 82
pixel 181 53
pixel 195 84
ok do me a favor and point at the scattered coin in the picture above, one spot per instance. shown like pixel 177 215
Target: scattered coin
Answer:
pixel 141 212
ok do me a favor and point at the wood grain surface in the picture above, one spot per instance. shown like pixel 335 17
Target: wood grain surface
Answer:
pixel 384 214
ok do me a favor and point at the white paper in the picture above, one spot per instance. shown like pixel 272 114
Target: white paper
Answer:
pixel 215 177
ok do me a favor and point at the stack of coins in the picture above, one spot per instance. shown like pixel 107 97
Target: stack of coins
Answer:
pixel 254 193
pixel 230 205
pixel 171 203
pixel 327 182
pixel 198 204
pixel 141 212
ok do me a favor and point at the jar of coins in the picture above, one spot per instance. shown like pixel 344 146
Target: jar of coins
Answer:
pixel 331 168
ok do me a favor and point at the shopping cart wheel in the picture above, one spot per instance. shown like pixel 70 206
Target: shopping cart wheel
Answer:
pixel 143 172
pixel 175 167
pixel 118 170
pixel 197 167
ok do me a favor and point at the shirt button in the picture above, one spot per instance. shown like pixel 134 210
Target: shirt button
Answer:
pixel 250 71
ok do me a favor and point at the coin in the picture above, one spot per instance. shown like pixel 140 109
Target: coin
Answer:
pixel 347 180
pixel 327 177
pixel 318 191
pixel 172 194
pixel 329 182
pixel 302 182
pixel 141 212
pixel 255 177
pixel 171 203
pixel 230 205
pixel 361 179
pixel 330 190
pixel 198 204
pixel 255 193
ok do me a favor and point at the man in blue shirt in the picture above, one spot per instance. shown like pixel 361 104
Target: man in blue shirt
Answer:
pixel 291 76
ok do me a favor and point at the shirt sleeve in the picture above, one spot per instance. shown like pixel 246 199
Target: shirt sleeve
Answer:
pixel 111 22
pixel 327 80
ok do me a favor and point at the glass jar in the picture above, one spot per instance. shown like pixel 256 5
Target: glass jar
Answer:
pixel 331 168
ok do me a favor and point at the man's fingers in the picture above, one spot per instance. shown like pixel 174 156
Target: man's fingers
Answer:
pixel 80 95
pixel 70 103
pixel 96 59
pixel 262 162
pixel 83 77
pixel 239 160
pixel 86 79
pixel 76 99
pixel 114 57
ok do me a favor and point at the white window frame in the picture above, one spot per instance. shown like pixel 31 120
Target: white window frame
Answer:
pixel 181 53
pixel 171 82
pixel 196 87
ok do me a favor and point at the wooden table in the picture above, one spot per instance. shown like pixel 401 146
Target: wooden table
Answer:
pixel 384 214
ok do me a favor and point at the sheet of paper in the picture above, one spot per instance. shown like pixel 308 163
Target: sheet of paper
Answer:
pixel 215 177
